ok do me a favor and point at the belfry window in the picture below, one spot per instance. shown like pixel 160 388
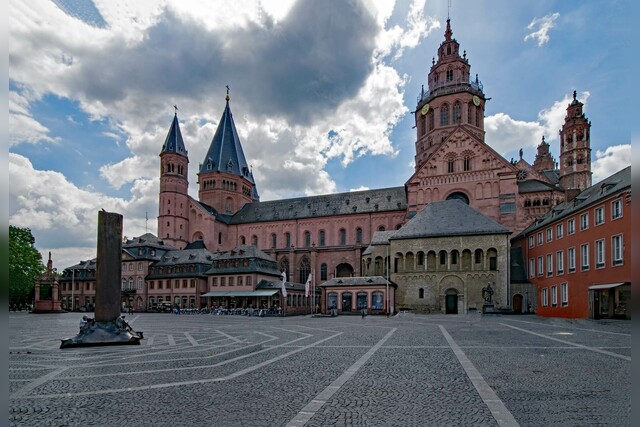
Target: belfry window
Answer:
pixel 457 113
pixel 430 118
pixel 444 115
pixel 449 72
pixel 467 163
pixel 450 166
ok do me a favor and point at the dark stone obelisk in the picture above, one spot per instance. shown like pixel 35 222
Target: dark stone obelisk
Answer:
pixel 108 266
pixel 108 327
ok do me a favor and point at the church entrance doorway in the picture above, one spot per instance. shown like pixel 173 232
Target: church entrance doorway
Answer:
pixel 451 302
pixel 346 302
pixel 517 303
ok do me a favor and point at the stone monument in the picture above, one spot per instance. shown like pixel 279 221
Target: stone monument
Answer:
pixel 108 327
pixel 46 292
pixel 488 307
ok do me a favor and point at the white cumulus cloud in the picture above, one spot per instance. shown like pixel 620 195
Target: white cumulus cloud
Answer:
pixel 611 160
pixel 540 28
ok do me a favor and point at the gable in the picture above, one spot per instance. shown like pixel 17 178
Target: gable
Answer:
pixel 459 145
pixel 530 172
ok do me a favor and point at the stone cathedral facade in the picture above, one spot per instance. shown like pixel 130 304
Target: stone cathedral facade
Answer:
pixel 363 233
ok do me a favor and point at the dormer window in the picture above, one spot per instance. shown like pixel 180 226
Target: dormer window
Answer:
pixel 229 165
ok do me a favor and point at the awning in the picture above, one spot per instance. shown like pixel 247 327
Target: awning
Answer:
pixel 266 293
pixel 605 286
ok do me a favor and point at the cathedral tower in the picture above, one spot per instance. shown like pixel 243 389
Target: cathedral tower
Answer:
pixel 452 99
pixel 173 221
pixel 544 160
pixel 575 148
pixel 225 180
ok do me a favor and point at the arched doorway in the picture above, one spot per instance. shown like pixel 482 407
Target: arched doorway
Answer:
pixel 517 303
pixel 344 270
pixel 451 302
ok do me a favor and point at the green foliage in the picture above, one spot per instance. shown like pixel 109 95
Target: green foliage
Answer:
pixel 25 265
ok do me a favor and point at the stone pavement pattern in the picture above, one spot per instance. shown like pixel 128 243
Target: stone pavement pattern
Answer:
pixel 345 371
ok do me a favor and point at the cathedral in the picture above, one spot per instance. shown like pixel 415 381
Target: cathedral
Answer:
pixel 460 185
pixel 328 234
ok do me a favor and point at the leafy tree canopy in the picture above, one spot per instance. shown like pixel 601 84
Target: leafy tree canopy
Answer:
pixel 25 264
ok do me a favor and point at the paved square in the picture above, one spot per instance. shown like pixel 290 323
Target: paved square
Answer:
pixel 346 371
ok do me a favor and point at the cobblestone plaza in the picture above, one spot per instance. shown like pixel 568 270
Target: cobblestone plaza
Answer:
pixel 409 370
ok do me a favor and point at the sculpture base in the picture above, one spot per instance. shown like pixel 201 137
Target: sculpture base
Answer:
pixel 116 332
pixel 489 309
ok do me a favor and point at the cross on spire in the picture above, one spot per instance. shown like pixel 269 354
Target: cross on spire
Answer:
pixel 175 107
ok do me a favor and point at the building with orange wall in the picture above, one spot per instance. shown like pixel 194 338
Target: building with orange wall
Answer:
pixel 579 255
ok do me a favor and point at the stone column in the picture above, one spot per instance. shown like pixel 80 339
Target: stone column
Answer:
pixel 108 266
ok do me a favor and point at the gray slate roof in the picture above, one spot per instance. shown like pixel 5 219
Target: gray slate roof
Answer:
pixel 619 181
pixel 146 240
pixel 534 185
pixel 448 218
pixel 357 281
pixel 277 284
pixel 256 262
pixel 225 151
pixel 552 175
pixel 186 256
pixel 174 143
pixel 367 201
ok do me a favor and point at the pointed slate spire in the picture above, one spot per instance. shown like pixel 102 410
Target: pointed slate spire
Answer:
pixel 174 142
pixel 225 153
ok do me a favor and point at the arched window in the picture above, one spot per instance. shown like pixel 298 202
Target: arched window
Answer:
pixel 450 164
pixel 449 72
pixel 307 240
pixel 458 195
pixel 444 115
pixel 358 235
pixel 457 113
pixel 420 258
pixel 443 257
pixel 283 265
pixel 130 282
pixel 254 240
pixel 478 256
pixel 219 238
pixel 478 117
pixel 287 237
pixel 423 125
pixel 305 269
pixel 322 238
pixel 343 236
pixel 274 241
pixel 323 271
pixel 467 163
pixel 381 228
pixel 421 293
pixel 243 241
pixel 430 118
pixel 469 113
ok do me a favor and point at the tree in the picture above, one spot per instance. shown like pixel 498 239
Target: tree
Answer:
pixel 25 265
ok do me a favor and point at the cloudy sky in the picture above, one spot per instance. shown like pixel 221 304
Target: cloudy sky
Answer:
pixel 321 94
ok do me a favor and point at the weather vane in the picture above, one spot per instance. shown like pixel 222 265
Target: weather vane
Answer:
pixel 227 97
pixel 175 107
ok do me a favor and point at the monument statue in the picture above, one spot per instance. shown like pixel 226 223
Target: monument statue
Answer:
pixel 108 327
pixel 487 294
